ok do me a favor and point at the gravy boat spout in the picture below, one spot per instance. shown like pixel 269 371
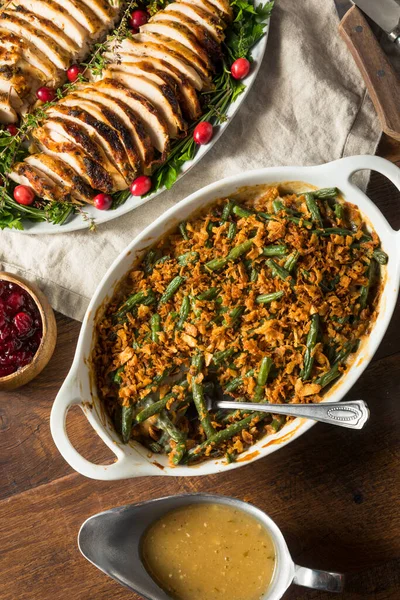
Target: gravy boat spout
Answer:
pixel 111 541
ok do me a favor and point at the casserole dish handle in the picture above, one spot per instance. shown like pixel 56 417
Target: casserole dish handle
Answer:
pixel 67 397
pixel 351 164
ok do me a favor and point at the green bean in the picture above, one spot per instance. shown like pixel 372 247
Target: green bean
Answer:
pixel 188 257
pixel 171 289
pixel 325 193
pixel 182 229
pixel 310 345
pixel 148 261
pixel 278 205
pixel 143 297
pixel 334 372
pixel 231 231
pixel 158 406
pixel 266 216
pixel 222 356
pixel 241 212
pixel 234 316
pixel 277 422
pixel 253 275
pixel 126 423
pixel 380 256
pixel 198 396
pixel 299 221
pixel 183 312
pixel 162 260
pixel 332 231
pixel 116 375
pixel 209 294
pixel 267 298
pixel 235 383
pixel 364 292
pixel 197 311
pixel 279 250
pixel 265 367
pixel 339 211
pixel 313 209
pixel 223 435
pixel 278 271
pixel 291 261
pixel 236 252
pixel 155 327
pixel 227 210
pixel 155 447
pixel 164 423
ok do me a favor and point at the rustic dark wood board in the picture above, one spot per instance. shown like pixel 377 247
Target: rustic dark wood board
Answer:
pixel 333 492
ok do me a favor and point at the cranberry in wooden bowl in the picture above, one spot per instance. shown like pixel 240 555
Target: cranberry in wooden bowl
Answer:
pixel 27 331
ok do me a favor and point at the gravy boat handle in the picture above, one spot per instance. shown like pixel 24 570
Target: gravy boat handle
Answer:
pixel 318 580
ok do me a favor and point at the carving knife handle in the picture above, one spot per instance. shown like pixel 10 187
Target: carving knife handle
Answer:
pixel 381 80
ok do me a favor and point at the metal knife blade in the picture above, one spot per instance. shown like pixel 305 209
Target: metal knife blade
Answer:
pixel 342 6
pixel 385 13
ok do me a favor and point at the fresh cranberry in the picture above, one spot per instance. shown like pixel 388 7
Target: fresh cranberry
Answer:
pixel 4 371
pixel 141 185
pixel 139 18
pixel 24 195
pixel 74 72
pixel 46 94
pixel 203 133
pixel 15 301
pixel 22 358
pixel 12 129
pixel 23 323
pixel 240 68
pixel 103 201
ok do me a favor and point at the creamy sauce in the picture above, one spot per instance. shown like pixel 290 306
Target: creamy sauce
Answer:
pixel 209 551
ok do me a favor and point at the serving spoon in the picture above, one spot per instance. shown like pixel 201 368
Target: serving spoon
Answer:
pixel 111 541
pixel 353 414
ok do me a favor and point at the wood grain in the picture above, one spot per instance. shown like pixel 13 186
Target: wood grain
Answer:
pixel 333 492
pixel 380 77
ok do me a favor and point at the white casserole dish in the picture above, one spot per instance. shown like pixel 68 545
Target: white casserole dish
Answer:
pixel 134 460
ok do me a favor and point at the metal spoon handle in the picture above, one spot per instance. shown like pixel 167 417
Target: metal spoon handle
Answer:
pixel 353 414
pixel 319 580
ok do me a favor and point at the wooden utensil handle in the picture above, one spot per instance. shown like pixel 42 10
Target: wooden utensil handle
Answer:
pixel 382 82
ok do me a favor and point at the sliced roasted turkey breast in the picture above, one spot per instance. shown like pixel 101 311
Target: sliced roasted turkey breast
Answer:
pixel 91 171
pixel 7 112
pixel 213 25
pixel 83 15
pixel 61 17
pixel 153 122
pixel 112 120
pixel 187 94
pixel 31 54
pixel 140 137
pixel 84 115
pixel 102 9
pixel 178 32
pixel 50 29
pixel 161 96
pixel 210 8
pixel 135 47
pixel 62 174
pixel 181 50
pixel 225 7
pixel 11 21
pixel 207 42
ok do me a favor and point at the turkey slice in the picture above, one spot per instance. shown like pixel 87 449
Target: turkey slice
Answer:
pixel 179 33
pixel 61 17
pixel 49 29
pixel 42 185
pixel 114 158
pixel 153 122
pixel 63 175
pixel 103 10
pixel 134 47
pixel 83 15
pixel 132 123
pixel 182 51
pixel 160 69
pixel 210 8
pixel 161 96
pixel 7 112
pixel 30 54
pixel 12 22
pixel 211 47
pixel 213 25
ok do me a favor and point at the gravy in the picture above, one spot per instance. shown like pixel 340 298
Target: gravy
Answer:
pixel 209 551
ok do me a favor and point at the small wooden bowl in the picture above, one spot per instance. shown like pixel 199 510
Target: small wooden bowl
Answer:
pixel 49 336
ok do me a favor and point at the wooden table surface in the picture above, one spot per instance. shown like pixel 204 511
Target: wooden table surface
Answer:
pixel 333 492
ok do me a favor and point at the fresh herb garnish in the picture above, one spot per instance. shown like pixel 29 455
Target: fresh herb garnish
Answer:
pixel 247 28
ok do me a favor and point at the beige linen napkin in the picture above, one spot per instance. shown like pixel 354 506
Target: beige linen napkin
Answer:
pixel 308 106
